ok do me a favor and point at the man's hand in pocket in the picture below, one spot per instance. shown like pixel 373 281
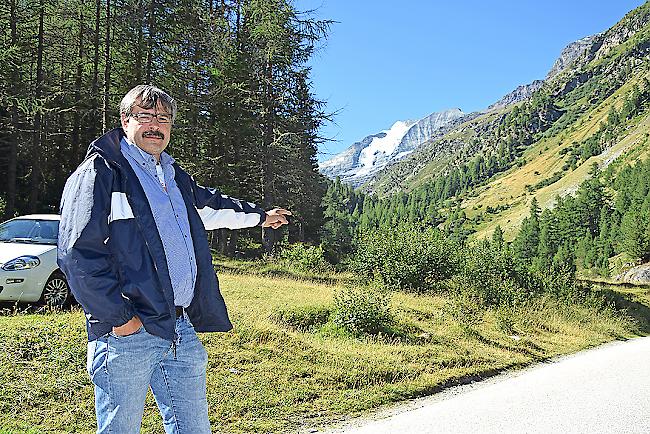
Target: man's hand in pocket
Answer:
pixel 129 328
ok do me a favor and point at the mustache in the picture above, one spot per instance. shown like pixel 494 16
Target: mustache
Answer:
pixel 157 134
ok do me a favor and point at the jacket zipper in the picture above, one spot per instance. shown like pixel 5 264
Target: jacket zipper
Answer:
pixel 128 196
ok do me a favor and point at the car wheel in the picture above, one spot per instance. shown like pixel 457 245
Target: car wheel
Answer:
pixel 56 292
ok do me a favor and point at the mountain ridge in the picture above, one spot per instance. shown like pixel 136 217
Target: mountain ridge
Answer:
pixel 363 159
pixel 348 165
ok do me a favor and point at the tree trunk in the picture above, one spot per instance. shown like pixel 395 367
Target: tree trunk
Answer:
pixel 212 239
pixel 296 230
pixel 138 48
pixel 57 172
pixel 37 138
pixel 232 243
pixel 107 68
pixel 76 128
pixel 152 33
pixel 222 245
pixel 12 161
pixel 268 199
pixel 95 80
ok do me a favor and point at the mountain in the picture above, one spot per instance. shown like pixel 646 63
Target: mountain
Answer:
pixel 590 109
pixel 570 54
pixel 364 159
pixel 521 93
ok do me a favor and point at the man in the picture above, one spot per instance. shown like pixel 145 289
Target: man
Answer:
pixel 132 244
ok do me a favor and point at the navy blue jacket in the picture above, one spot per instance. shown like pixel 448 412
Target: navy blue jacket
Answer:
pixel 112 255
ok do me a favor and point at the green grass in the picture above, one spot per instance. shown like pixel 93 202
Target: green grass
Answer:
pixel 264 377
pixel 279 268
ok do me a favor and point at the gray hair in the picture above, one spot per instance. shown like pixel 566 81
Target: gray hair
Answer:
pixel 149 96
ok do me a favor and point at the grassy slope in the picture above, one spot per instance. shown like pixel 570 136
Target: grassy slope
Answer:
pixel 543 160
pixel 265 378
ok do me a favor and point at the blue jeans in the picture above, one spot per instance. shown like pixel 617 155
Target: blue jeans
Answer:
pixel 123 368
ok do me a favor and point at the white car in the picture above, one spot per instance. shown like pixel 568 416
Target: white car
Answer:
pixel 28 268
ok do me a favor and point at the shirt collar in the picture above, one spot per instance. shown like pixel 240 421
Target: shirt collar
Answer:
pixel 142 157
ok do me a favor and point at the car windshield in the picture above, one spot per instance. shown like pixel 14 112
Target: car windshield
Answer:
pixel 30 231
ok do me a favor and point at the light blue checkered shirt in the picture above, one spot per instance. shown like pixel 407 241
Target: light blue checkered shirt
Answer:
pixel 170 214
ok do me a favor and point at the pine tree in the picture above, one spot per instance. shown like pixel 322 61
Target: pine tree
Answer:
pixel 497 237
pixel 526 243
pixel 248 121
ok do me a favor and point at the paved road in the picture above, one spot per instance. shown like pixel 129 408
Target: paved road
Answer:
pixel 603 390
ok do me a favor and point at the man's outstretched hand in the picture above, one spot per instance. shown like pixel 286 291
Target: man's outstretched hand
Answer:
pixel 276 218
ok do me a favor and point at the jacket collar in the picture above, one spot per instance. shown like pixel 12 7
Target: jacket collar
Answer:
pixel 108 146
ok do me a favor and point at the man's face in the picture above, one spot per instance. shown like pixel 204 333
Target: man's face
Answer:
pixel 152 137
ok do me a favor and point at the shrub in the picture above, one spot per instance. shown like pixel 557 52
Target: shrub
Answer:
pixel 362 310
pixel 304 257
pixel 497 277
pixel 304 318
pixel 493 276
pixel 561 283
pixel 408 257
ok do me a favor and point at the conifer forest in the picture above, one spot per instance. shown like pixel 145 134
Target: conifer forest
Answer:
pixel 248 120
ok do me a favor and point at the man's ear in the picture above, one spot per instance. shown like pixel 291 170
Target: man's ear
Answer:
pixel 124 121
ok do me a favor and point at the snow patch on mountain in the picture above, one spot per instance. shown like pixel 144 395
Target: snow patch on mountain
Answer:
pixel 363 159
pixel 380 148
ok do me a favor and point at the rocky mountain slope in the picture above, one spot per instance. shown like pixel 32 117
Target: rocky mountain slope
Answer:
pixel 543 145
pixel 568 55
pixel 521 93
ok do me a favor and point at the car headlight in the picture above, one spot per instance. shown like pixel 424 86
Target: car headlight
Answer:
pixel 22 263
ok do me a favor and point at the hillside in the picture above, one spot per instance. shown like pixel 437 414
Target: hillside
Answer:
pixel 508 155
pixel 544 159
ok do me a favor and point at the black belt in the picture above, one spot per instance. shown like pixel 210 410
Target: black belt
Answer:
pixel 179 311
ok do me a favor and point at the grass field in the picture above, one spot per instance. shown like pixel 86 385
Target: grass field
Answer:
pixel 263 377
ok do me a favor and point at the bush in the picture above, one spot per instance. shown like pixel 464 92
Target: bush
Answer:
pixel 362 310
pixel 304 258
pixel 408 257
pixel 561 283
pixel 493 276
pixel 304 318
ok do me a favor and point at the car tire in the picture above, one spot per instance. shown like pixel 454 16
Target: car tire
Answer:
pixel 56 292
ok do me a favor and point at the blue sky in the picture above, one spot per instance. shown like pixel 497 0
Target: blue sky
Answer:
pixel 395 60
